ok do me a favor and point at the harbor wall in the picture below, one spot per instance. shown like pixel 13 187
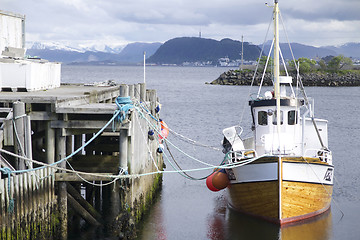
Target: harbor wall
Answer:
pixel 235 77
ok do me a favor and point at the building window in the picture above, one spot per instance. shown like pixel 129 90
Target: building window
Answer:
pixel 292 117
pixel 262 118
pixel 275 118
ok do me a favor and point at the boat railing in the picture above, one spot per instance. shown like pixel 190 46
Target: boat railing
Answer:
pixel 242 155
pixel 324 155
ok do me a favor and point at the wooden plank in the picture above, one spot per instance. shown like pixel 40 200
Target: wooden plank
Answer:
pixel 259 198
pixel 17 205
pixel 8 217
pixel 81 211
pixel 27 204
pixel 30 199
pixel 72 177
pixel 8 133
pixel 304 198
pixel 86 205
pixel 2 209
pixel 41 191
pixel 93 108
pixel 21 195
pixel 35 196
pixel 42 116
pixel 80 124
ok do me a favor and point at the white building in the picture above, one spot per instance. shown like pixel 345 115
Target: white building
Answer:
pixel 18 73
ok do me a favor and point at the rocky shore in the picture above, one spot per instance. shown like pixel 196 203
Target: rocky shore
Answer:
pixel 233 77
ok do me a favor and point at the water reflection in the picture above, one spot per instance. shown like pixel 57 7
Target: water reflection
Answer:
pixel 226 224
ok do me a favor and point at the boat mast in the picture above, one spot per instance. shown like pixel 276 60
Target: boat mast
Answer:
pixel 277 96
pixel 276 63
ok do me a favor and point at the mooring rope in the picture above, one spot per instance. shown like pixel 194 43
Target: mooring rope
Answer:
pixel 121 102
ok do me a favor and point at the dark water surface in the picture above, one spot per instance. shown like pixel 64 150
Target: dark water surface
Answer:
pixel 185 209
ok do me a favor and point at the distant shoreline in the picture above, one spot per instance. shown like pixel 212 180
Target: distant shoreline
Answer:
pixel 235 77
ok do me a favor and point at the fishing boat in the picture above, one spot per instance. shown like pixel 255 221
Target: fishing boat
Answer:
pixel 283 172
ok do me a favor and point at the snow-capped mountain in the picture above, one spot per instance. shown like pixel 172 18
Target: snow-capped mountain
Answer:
pixel 79 48
pixel 85 53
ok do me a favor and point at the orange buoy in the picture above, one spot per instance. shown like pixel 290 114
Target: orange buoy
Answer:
pixel 209 183
pixel 220 179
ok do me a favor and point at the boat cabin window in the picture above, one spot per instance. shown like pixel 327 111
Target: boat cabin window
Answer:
pixel 292 117
pixel 262 118
pixel 275 118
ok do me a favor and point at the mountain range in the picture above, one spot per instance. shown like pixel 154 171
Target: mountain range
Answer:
pixel 177 51
pixel 192 49
pixel 129 54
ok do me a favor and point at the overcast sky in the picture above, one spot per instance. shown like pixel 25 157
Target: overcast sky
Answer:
pixel 113 22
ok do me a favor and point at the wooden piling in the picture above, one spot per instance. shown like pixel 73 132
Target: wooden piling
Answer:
pixel 19 132
pixel 62 197
pixel 115 200
pixel 131 91
pixel 28 141
pixel 151 97
pixel 137 92
pixel 49 143
pixel 142 91
pixel 78 142
pixel 124 90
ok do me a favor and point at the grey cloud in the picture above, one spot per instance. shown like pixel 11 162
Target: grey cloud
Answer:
pixel 160 20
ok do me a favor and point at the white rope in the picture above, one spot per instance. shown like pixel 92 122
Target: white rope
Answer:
pixel 190 141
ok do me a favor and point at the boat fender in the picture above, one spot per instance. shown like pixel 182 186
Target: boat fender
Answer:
pixel 209 183
pixel 160 148
pixel 158 108
pixel 164 130
pixel 220 179
pixel 151 134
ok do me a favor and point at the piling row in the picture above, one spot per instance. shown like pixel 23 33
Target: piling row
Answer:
pixel 27 203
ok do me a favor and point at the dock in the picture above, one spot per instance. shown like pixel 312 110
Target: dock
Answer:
pixel 70 155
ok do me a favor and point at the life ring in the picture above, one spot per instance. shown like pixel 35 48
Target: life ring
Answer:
pixel 164 130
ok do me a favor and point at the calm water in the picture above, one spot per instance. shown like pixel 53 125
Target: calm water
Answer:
pixel 185 209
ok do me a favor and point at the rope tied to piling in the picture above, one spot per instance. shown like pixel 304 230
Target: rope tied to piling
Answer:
pixel 8 171
pixel 124 104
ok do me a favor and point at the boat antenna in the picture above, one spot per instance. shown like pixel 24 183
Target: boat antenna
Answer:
pixel 242 52
pixel 144 66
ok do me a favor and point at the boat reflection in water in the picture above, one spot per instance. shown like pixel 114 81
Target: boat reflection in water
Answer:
pixel 226 223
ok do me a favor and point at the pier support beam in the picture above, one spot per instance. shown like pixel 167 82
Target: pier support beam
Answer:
pixel 151 97
pixel 137 92
pixel 131 91
pixel 115 200
pixel 19 133
pixel 78 142
pixel 62 197
pixel 143 91
pixel 49 143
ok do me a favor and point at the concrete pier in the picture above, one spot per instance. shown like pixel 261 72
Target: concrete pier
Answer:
pixel 49 201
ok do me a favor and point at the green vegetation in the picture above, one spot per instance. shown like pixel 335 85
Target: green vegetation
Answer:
pixel 305 65
pixel 262 63
pixel 328 64
pixel 338 63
